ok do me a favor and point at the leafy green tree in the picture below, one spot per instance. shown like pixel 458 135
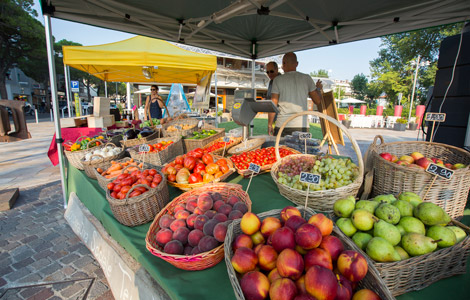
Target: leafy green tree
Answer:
pixel 359 86
pixel 338 93
pixel 320 73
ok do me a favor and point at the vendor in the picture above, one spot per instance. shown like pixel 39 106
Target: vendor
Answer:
pixel 154 104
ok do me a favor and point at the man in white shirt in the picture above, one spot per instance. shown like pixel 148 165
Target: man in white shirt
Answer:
pixel 290 92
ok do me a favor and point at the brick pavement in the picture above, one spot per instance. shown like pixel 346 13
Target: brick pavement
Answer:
pixel 40 256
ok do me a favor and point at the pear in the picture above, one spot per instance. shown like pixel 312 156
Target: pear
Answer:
pixel 411 224
pixel 402 252
pixel 361 239
pixel 445 235
pixel 459 233
pixel 367 205
pixel 346 226
pixel 431 214
pixel 382 251
pixel 344 207
pixel 405 208
pixel 385 198
pixel 363 219
pixel 400 229
pixel 387 231
pixel 388 213
pixel 410 197
pixel 416 244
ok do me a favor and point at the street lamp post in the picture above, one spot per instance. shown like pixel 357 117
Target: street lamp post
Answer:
pixel 417 63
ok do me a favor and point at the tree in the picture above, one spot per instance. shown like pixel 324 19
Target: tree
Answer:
pixel 359 86
pixel 320 73
pixel 338 93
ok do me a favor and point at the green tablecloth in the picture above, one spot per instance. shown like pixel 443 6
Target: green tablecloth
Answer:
pixel 213 283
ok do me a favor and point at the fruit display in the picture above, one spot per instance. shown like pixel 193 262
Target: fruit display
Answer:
pixel 147 123
pixel 289 257
pixel 261 157
pixel 155 148
pixel 107 151
pixel 218 145
pixel 117 168
pixel 393 228
pixel 120 187
pixel 133 133
pixel 85 144
pixel 335 172
pixel 176 127
pixel 418 160
pixel 199 135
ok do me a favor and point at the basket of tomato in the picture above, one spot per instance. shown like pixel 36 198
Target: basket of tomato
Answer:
pixel 217 147
pixel 265 158
pixel 136 198
pixel 196 168
pixel 161 150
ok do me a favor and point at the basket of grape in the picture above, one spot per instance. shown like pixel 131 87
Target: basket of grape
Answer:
pixel 339 177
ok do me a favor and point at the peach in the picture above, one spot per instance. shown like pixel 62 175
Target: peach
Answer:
pixel 282 289
pixel 207 243
pixel 235 214
pixel 267 257
pixel 174 247
pixel 210 213
pixel 178 207
pixel 190 221
pixel 194 237
pixel 307 236
pixel 181 234
pixel 208 228
pixel 198 211
pixel 225 209
pixel 182 214
pixel 255 285
pixel 269 225
pixel 204 202
pixel 322 222
pixel 232 199
pixel 274 275
pixel 332 245
pixel 300 284
pixel 318 257
pixel 321 283
pixel 345 290
pixel 165 221
pixel 187 250
pixel 352 265
pixel 244 260
pixel 220 230
pixel 220 217
pixel 257 238
pixel 295 222
pixel 218 204
pixel 250 223
pixel 283 238
pixel 195 251
pixel 191 204
pixel 163 236
pixel 216 196
pixel 240 206
pixel 301 250
pixel 288 212
pixel 257 248
pixel 242 240
pixel 304 297
pixel 200 221
pixel 365 294
pixel 290 264
pixel 177 223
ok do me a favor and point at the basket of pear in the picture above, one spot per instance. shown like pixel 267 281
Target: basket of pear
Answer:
pixel 412 243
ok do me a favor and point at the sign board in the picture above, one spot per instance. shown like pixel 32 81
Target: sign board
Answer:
pixel 439 171
pixel 309 178
pixel 75 85
pixel 254 167
pixel 305 135
pixel 144 148
pixel 226 139
pixel 435 117
pixel 159 126
pixel 78 105
pixel 328 107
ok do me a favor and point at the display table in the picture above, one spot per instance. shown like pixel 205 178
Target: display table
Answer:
pixel 212 283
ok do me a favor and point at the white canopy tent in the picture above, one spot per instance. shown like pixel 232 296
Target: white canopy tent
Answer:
pixel 350 101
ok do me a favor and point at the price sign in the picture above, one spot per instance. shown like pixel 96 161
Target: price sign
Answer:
pixel 178 127
pixel 440 171
pixel 199 124
pixel 254 167
pixel 159 126
pixel 226 139
pixel 144 148
pixel 309 178
pixel 124 138
pixel 435 117
pixel 305 135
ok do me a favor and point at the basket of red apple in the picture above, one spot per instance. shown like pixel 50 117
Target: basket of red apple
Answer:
pixel 401 166
pixel 196 169
pixel 189 232
pixel 136 198
pixel 295 253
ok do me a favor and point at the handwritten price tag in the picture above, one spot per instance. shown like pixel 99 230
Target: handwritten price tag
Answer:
pixel 440 171
pixel 305 135
pixel 254 167
pixel 124 138
pixel 435 117
pixel 159 126
pixel 309 178
pixel 226 139
pixel 144 148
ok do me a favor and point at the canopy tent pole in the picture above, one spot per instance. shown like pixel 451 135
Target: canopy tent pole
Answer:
pixel 128 94
pixel 67 87
pixel 216 100
pixel 106 89
pixel 53 80
pixel 254 91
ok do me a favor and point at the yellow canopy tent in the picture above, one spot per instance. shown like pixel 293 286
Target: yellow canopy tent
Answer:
pixel 141 59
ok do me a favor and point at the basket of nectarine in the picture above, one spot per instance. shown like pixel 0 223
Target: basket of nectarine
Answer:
pixel 189 232
pixel 296 253
pixel 401 166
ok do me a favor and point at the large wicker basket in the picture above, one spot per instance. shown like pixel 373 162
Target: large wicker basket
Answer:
pixel 391 178
pixel 140 209
pixel 75 157
pixel 162 157
pixel 199 261
pixel 190 121
pixel 88 166
pixel 234 141
pixel 139 141
pixel 255 143
pixel 372 280
pixel 191 144
pixel 103 181
pixel 325 199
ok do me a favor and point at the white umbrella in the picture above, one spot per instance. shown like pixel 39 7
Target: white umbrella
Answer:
pixel 350 100
pixel 147 91
pixel 192 94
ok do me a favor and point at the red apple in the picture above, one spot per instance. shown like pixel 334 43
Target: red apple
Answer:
pixel 449 166
pixel 290 264
pixel 423 162
pixel 407 158
pixel 403 163
pixel 394 158
pixel 255 285
pixel 321 283
pixel 416 155
pixel 386 156
pixel 437 161
pixel 352 265
pixel 332 245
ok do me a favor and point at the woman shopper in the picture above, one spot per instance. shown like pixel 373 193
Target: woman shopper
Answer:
pixel 154 104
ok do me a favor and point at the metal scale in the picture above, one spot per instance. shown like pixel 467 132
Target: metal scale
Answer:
pixel 245 108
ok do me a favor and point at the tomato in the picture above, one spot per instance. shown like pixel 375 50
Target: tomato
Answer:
pixel 221 162
pixel 152 172
pixel 172 164
pixel 120 196
pixel 195 178
pixel 122 176
pixel 207 158
pixel 125 189
pixel 171 170
pixel 149 178
pixel 157 178
pixel 208 177
pixel 172 177
pixel 141 189
pixel 200 168
pixel 197 153
pixel 224 169
pixel 114 194
pixel 153 184
pixel 189 162
pixel 127 181
pixel 212 168
pixel 179 160
pixel 151 149
pixel 145 181
pixel 110 186
pixel 178 167
pixel 145 173
pixel 135 193
pixel 117 188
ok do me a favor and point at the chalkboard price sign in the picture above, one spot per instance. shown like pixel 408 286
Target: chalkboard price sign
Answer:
pixel 254 168
pixel 226 139
pixel 144 148
pixel 305 135
pixel 435 117
pixel 440 171
pixel 309 178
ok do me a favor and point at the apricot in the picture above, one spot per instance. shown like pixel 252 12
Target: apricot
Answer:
pixel 177 223
pixel 241 207
pixel 163 236
pixel 244 260
pixel 181 234
pixel 242 240
pixel 250 223
pixel 269 225
pixel 200 221
pixel 282 289
pixel 255 285
pixel 174 247
pixel 220 230
pixel 165 221
pixel 207 243
pixel 194 237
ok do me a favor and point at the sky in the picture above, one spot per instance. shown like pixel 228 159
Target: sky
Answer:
pixel 343 60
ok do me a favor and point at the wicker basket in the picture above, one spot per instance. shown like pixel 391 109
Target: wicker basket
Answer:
pixel 199 261
pixel 138 141
pixel 190 121
pixel 75 157
pixel 89 165
pixel 390 178
pixel 190 186
pixel 191 144
pixel 372 280
pixel 220 151
pixel 162 157
pixel 325 199
pixel 240 148
pixel 140 209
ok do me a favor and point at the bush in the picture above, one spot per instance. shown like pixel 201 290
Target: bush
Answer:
pixel 373 111
pixel 402 121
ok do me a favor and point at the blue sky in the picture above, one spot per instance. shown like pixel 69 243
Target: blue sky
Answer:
pixel 344 60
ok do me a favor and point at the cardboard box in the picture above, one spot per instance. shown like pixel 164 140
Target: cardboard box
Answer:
pixel 101 106
pixel 100 122
pixel 73 122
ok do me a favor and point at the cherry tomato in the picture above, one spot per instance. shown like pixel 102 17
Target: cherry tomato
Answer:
pixel 110 186
pixel 117 188
pixel 157 178
pixel 114 194
pixel 153 184
pixel 149 178
pixel 152 172
pixel 172 177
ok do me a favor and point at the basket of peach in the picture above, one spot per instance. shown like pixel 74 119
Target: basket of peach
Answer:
pixel 295 253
